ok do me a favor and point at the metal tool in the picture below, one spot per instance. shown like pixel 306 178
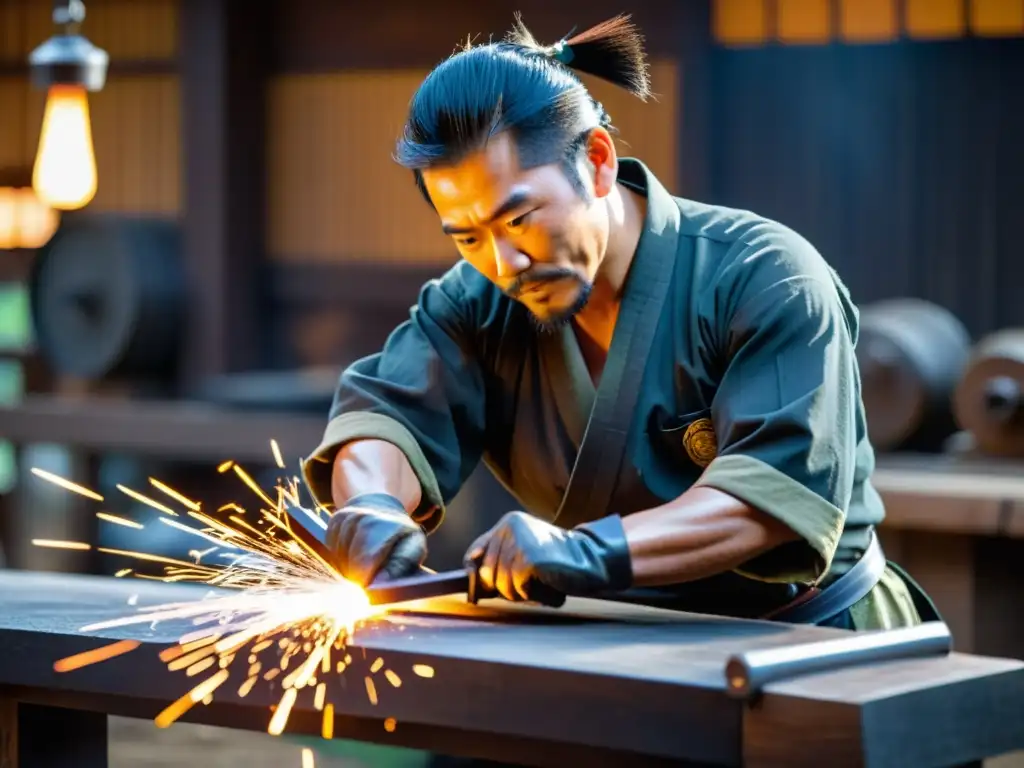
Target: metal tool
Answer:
pixel 747 673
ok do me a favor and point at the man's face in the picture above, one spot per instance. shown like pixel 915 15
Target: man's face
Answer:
pixel 528 231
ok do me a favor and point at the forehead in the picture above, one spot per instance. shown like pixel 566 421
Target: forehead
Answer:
pixel 479 182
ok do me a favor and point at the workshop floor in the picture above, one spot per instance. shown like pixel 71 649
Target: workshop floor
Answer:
pixel 140 744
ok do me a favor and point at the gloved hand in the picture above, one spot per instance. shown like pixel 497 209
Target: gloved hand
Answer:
pixel 372 534
pixel 524 558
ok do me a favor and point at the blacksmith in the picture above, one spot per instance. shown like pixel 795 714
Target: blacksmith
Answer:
pixel 668 388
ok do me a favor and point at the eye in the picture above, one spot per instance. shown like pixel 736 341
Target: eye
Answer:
pixel 465 242
pixel 518 222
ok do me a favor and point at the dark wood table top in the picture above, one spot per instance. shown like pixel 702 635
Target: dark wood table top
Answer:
pixel 596 681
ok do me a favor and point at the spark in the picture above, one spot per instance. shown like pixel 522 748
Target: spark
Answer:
pixel 277 453
pixel 146 500
pixel 118 520
pixel 183 500
pixel 278 611
pixel 423 670
pixel 66 484
pixel 327 724
pixel 102 653
pixel 307 758
pixel 56 544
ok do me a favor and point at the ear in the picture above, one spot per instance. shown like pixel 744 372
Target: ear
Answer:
pixel 603 159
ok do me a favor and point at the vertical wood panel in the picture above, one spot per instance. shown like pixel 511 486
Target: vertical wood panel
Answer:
pixel 126 29
pixel 934 19
pixel 740 22
pixel 136 131
pixel 997 17
pixel 335 192
pixel 804 21
pixel 868 21
pixel 135 126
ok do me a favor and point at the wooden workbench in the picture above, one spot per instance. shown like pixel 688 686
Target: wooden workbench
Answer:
pixel 589 684
pixel 956 524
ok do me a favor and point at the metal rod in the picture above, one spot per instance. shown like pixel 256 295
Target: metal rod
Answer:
pixel 747 673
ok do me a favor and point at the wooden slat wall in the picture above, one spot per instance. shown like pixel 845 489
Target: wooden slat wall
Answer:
pixel 126 29
pixel 135 118
pixel 335 194
pixel 801 22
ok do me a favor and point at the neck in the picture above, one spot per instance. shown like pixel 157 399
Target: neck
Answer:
pixel 626 213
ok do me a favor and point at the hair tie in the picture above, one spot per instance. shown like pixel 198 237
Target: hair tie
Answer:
pixel 561 52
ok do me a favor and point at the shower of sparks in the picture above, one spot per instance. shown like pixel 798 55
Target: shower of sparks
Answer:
pixel 275 597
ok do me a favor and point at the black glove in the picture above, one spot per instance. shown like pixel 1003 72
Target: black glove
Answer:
pixel 372 534
pixel 525 558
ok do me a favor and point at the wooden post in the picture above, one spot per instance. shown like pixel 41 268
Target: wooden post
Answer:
pixel 225 56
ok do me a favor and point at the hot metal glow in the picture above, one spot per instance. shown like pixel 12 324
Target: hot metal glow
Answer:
pixel 280 611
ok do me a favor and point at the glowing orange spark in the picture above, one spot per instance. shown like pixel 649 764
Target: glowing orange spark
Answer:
pixel 102 653
pixel 184 501
pixel 327 724
pixel 56 544
pixel 423 670
pixel 279 608
pixel 277 453
pixel 146 500
pixel 118 520
pixel 66 484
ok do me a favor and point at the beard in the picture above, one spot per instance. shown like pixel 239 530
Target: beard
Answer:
pixel 554 320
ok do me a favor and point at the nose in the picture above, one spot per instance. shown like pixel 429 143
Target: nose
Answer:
pixel 509 260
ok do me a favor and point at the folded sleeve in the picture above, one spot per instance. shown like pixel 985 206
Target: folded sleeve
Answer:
pixel 423 392
pixel 786 406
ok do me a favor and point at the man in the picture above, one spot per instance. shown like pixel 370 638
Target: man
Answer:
pixel 668 388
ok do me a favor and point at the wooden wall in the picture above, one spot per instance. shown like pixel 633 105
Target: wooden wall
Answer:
pixel 335 193
pixel 811 22
pixel 136 132
pixel 321 95
pixel 897 152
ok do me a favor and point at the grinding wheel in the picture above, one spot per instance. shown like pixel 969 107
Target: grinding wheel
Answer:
pixel 911 354
pixel 989 402
pixel 108 298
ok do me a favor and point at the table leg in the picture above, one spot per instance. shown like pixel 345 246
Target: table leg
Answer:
pixel 39 736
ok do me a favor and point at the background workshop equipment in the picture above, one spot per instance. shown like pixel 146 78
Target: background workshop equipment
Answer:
pixel 235 232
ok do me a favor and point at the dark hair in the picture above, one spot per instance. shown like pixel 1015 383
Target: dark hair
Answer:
pixel 524 87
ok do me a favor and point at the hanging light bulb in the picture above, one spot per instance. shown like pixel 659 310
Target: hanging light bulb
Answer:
pixel 64 175
pixel 68 66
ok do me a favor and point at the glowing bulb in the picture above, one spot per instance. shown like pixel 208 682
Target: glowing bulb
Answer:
pixel 64 175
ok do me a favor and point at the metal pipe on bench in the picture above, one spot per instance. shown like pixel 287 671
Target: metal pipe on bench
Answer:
pixel 747 673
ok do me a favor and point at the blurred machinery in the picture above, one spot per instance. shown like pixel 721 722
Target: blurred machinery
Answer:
pixel 989 401
pixel 108 303
pixel 912 354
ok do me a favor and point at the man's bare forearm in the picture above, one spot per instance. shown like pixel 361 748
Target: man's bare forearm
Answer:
pixel 702 533
pixel 374 466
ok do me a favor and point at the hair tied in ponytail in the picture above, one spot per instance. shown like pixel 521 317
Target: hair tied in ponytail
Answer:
pixel 562 52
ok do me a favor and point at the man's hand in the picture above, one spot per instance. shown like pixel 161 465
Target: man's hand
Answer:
pixel 374 535
pixel 523 558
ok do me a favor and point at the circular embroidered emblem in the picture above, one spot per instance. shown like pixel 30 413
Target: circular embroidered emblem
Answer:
pixel 700 442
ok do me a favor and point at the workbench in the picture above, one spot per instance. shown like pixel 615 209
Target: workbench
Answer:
pixel 589 684
pixel 955 523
